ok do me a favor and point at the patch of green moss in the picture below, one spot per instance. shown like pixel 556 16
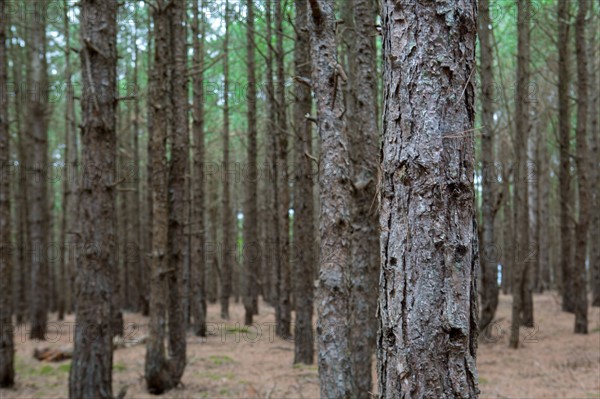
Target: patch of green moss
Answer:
pixel 221 360
pixel 64 368
pixel 46 370
pixel 119 367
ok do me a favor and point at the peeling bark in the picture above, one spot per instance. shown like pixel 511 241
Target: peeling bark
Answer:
pixel 428 312
pixel 332 295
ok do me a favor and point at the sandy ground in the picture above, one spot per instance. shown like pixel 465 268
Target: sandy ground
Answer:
pixel 235 362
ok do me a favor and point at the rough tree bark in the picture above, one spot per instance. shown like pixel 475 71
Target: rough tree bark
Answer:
pixel 37 130
pixel 332 295
pixel 364 157
pixel 198 261
pixel 583 175
pixel 7 349
pixel 251 250
pixel 304 229
pixel 162 373
pixel 564 177
pixel 91 369
pixel 428 288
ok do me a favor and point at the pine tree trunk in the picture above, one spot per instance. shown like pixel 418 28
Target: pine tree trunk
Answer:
pixel 583 178
pixel 251 251
pixel 178 168
pixel 564 128
pixel 284 319
pixel 364 156
pixel 229 241
pixel 7 349
pixel 489 263
pixel 521 178
pixel 136 249
pixel 148 247
pixel 304 229
pixel 24 272
pixel 70 223
pixel 544 210
pixel 38 213
pixel 333 293
pixel 595 155
pixel 91 369
pixel 428 287
pixel 198 261
pixel 273 180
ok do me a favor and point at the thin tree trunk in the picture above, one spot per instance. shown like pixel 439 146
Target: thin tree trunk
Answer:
pixel 229 241
pixel 304 228
pixel 251 249
pixel 7 349
pixel 179 152
pixel 520 212
pixel 136 253
pixel 148 248
pixel 22 204
pixel 595 156
pixel 284 319
pixel 157 369
pixel 544 225
pixel 38 212
pixel 199 261
pixel 583 166
pixel 489 263
pixel 564 127
pixel 364 156
pixel 91 369
pixel 213 270
pixel 428 289
pixel 273 180
pixel 332 296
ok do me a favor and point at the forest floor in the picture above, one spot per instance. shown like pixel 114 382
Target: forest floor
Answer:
pixel 235 362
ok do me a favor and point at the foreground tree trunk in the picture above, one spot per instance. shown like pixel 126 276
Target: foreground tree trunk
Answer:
pixel 251 252
pixel 428 287
pixel 91 369
pixel 583 175
pixel 332 296
pixel 304 229
pixel 364 156
pixel 564 177
pixel 7 349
